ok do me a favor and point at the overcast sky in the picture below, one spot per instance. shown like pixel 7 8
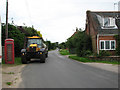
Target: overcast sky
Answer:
pixel 55 19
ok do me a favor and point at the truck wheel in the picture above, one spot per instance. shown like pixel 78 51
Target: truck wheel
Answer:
pixel 46 55
pixel 42 59
pixel 24 60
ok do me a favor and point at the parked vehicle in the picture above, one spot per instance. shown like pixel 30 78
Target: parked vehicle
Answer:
pixel 35 48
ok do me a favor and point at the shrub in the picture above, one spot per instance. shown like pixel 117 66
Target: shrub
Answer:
pixel 103 53
pixel 81 42
pixel 88 53
pixel 18 36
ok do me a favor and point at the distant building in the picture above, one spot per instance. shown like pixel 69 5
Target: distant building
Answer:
pixel 101 26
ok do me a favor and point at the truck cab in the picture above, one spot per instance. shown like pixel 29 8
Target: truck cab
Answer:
pixel 35 48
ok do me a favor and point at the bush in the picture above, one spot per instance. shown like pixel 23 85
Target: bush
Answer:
pixel 88 53
pixel 103 53
pixel 64 52
pixel 82 42
pixel 118 44
pixel 18 36
pixel 15 34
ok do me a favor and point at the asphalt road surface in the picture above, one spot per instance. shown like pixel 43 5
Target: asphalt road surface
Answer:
pixel 61 72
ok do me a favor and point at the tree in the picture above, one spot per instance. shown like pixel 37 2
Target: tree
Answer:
pixel 48 43
pixel 118 36
pixel 118 44
pixel 79 43
pixel 39 34
pixel 62 45
pixel 15 34
pixel 51 46
pixel 31 31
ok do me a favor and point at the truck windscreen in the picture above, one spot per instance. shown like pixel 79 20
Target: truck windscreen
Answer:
pixel 34 41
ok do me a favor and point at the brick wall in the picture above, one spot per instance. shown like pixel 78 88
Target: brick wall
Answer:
pixel 106 38
pixel 112 52
pixel 106 58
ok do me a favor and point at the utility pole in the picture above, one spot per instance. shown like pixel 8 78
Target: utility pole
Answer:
pixel 6 32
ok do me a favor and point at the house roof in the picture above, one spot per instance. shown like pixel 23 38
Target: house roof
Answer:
pixel 106 31
pixel 107 13
pixel 96 16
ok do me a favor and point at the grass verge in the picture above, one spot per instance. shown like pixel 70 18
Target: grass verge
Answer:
pixel 64 52
pixel 8 73
pixel 85 60
pixel 17 62
pixel 9 83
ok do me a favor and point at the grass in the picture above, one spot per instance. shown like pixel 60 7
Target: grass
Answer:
pixel 85 60
pixel 9 83
pixel 64 52
pixel 17 62
pixel 8 73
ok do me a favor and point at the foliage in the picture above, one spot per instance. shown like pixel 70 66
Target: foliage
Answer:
pixel 118 44
pixel 31 31
pixel 51 46
pixel 103 53
pixel 15 34
pixel 8 73
pixel 64 52
pixel 18 36
pixel 62 45
pixel 39 34
pixel 85 60
pixel 81 41
pixel 17 61
pixel 48 43
pixel 88 53
pixel 8 83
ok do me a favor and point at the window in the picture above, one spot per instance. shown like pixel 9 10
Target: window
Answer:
pixel 34 41
pixel 107 44
pixel 112 44
pixel 102 44
pixel 109 22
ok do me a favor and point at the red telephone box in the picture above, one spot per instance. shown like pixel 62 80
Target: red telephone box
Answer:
pixel 9 51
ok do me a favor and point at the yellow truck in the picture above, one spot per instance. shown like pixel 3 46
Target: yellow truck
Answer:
pixel 35 48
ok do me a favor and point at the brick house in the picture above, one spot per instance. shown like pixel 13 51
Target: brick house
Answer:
pixel 101 26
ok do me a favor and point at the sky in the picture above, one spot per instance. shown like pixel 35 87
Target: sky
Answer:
pixel 55 19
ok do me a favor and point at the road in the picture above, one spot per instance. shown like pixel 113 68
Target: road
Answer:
pixel 61 72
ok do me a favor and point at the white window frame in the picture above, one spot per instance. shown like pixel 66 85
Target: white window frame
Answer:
pixel 110 24
pixel 105 45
